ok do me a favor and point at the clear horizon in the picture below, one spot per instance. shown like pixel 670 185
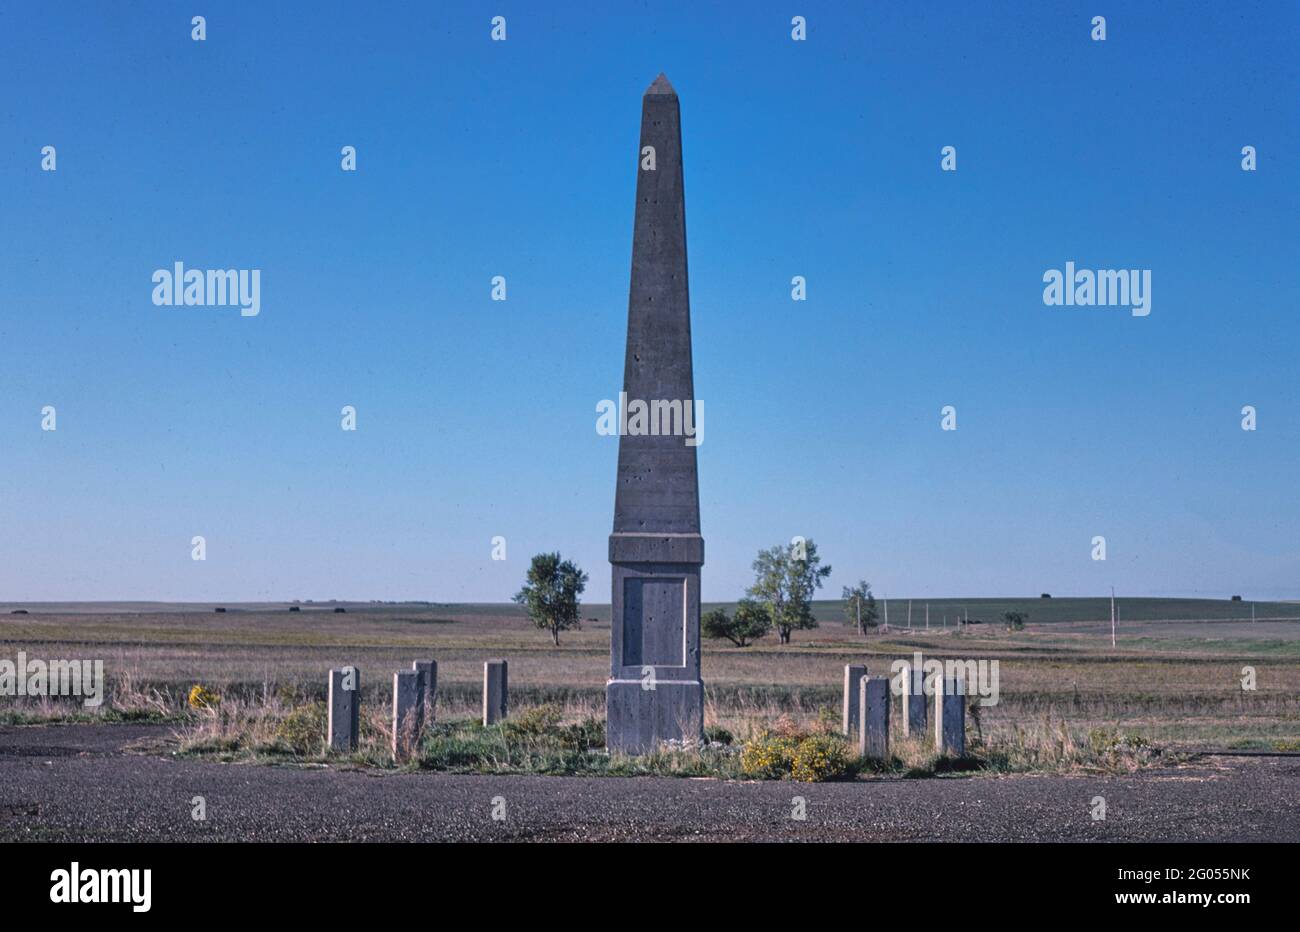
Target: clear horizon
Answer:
pixel 476 418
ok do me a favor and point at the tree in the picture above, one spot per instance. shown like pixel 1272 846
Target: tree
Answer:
pixel 750 623
pixel 859 606
pixel 1015 620
pixel 785 580
pixel 550 593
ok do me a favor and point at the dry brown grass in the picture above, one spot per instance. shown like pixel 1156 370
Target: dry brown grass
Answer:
pixel 1162 682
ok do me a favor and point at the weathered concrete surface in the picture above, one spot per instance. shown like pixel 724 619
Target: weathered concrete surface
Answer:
pixel 655 693
pixel 429 669
pixel 914 702
pixel 853 675
pixel 81 783
pixel 950 716
pixel 873 718
pixel 408 712
pixel 496 690
pixel 344 709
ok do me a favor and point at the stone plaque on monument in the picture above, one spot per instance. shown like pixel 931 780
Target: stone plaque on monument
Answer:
pixel 654 692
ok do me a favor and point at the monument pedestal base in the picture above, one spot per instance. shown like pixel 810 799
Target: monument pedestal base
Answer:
pixel 638 719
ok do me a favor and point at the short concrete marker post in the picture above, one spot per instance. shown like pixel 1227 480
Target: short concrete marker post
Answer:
pixel 873 718
pixel 950 717
pixel 853 674
pixel 914 702
pixel 344 709
pixel 937 696
pixel 430 670
pixel 495 690
pixel 408 712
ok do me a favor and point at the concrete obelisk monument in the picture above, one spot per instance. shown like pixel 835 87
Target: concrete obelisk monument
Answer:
pixel 654 692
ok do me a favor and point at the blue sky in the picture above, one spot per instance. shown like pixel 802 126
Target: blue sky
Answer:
pixel 477 418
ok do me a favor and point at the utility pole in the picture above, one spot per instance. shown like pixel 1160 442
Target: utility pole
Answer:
pixel 1112 616
pixel 927 616
pixel 886 616
pixel 909 613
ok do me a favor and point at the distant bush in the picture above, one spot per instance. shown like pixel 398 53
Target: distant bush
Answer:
pixel 750 623
pixel 1236 598
pixel 1045 595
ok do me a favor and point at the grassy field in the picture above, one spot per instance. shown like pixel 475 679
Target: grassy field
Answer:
pixel 1174 678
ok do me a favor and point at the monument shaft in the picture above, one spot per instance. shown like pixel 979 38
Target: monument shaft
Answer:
pixel 654 692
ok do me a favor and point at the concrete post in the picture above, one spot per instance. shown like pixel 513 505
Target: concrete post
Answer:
pixel 950 716
pixel 914 702
pixel 344 709
pixel 937 698
pixel 873 718
pixel 853 674
pixel 495 690
pixel 430 670
pixel 408 712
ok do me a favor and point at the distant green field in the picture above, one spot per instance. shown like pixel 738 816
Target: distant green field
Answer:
pixel 1063 610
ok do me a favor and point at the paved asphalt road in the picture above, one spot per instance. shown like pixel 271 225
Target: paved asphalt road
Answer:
pixel 79 783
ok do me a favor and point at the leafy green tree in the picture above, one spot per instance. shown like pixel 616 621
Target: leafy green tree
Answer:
pixel 750 623
pixel 550 593
pixel 785 579
pixel 860 606
pixel 1015 620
